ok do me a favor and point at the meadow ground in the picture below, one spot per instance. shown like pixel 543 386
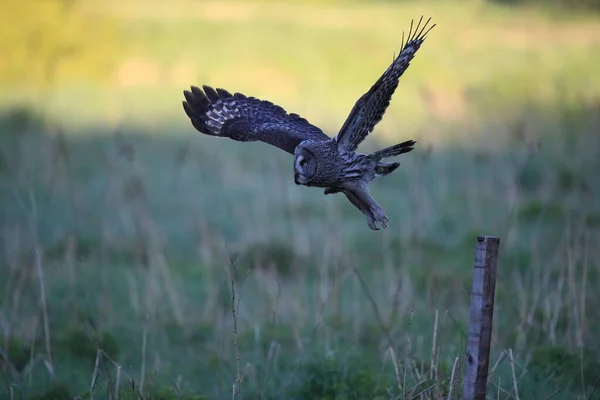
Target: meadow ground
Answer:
pixel 124 230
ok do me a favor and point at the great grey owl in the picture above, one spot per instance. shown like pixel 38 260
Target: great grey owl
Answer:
pixel 319 161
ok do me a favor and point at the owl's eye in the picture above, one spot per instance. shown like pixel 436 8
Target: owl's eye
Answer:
pixel 303 163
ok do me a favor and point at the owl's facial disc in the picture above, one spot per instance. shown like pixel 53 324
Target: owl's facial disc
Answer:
pixel 305 167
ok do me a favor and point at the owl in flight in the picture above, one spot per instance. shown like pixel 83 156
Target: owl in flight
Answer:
pixel 319 160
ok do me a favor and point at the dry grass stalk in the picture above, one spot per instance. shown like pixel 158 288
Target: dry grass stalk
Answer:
pixel 514 376
pixel 38 260
pixel 433 373
pixel 374 306
pixel 95 373
pixel 392 354
pixel 237 386
pixel 451 385
pixel 136 388
pixel 143 367
pixel 501 358
pixel 117 382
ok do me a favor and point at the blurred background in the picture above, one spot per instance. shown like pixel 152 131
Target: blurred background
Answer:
pixel 123 230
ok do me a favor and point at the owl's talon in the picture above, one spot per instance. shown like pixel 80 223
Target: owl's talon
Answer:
pixel 375 219
pixel 381 217
pixel 372 224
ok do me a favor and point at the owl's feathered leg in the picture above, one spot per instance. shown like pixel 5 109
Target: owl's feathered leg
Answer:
pixel 364 208
pixel 375 210
pixel 362 200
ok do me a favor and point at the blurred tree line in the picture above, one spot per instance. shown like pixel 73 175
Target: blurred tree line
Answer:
pixel 576 5
pixel 44 41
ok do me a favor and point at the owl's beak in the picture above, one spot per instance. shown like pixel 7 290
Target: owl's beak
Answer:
pixel 296 178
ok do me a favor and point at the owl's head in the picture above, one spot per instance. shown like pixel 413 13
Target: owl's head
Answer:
pixel 305 166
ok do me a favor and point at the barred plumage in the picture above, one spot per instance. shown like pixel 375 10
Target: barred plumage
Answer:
pixel 319 160
pixel 245 119
pixel 369 109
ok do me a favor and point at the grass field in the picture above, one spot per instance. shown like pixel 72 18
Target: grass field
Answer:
pixel 124 230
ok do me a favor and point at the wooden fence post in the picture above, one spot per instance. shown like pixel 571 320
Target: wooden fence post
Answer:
pixel 481 316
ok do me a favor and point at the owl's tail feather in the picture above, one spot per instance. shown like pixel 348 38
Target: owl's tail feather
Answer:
pixel 385 168
pixel 395 150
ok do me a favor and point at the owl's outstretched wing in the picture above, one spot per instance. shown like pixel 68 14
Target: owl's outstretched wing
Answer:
pixel 217 112
pixel 369 109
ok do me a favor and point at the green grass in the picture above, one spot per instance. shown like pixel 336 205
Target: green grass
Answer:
pixel 142 225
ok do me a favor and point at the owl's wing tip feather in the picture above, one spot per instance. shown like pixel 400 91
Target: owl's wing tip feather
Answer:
pixel 217 112
pixel 370 108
